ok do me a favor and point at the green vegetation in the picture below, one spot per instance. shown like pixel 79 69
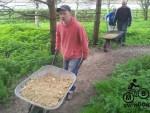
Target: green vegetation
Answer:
pixel 83 15
pixel 139 33
pixel 25 48
pixel 110 92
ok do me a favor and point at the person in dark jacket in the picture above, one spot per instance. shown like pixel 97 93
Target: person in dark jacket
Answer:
pixel 123 18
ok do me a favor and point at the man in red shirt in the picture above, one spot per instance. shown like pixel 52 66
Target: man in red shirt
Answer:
pixel 71 41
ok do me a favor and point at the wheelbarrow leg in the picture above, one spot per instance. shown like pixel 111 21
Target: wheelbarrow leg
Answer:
pixel 35 109
pixel 46 111
pixel 106 45
pixel 30 108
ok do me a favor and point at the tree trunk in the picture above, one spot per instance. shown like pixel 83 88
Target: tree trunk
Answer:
pixel 145 7
pixel 97 22
pixel 108 6
pixel 52 12
pixel 36 12
pixel 146 14
pixel 77 6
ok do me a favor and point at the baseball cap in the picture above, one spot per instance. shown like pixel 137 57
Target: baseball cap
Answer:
pixel 64 8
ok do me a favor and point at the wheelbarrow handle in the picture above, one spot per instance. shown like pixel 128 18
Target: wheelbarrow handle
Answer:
pixel 54 58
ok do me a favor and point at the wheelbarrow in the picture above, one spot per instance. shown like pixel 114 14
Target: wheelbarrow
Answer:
pixel 43 71
pixel 110 36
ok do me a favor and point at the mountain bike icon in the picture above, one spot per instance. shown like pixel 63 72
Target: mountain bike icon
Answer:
pixel 140 92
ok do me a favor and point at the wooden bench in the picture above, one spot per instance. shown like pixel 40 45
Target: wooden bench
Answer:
pixel 109 36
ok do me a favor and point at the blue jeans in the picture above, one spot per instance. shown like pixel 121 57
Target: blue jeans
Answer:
pixel 122 26
pixel 73 65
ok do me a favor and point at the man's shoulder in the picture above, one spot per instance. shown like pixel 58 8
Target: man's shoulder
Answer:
pixel 127 7
pixel 124 8
pixel 58 23
pixel 77 23
pixel 58 26
pixel 120 8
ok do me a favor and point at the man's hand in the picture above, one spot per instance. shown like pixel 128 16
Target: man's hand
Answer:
pixel 114 24
pixel 129 24
pixel 56 51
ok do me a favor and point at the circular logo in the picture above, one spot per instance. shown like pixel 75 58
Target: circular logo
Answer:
pixel 143 93
pixel 128 97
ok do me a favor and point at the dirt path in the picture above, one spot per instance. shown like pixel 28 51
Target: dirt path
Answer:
pixel 96 67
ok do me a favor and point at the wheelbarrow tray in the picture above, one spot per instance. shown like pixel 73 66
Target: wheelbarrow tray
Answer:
pixel 43 71
pixel 113 34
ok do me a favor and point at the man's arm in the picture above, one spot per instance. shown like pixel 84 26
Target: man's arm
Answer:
pixel 84 42
pixel 129 18
pixel 116 17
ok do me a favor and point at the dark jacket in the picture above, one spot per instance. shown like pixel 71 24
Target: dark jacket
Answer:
pixel 123 14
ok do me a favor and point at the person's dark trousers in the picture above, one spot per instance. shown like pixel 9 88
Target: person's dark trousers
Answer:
pixel 73 65
pixel 122 26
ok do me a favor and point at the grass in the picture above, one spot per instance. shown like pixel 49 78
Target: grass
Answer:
pixel 139 33
pixel 110 92
pixel 24 48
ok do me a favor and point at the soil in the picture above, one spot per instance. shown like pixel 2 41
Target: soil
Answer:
pixel 96 68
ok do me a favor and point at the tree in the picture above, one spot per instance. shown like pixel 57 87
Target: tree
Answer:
pixel 145 6
pixel 4 9
pixel 36 14
pixel 4 2
pixel 77 3
pixel 108 2
pixel 52 12
pixel 52 19
pixel 77 7
pixel 97 22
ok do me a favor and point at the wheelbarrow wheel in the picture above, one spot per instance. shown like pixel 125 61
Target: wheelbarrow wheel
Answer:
pixel 35 109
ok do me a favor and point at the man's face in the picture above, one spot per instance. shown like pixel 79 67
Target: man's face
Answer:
pixel 124 3
pixel 64 15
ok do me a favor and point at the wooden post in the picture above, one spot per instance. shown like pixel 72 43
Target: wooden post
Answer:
pixel 77 7
pixel 97 22
pixel 52 13
pixel 36 12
